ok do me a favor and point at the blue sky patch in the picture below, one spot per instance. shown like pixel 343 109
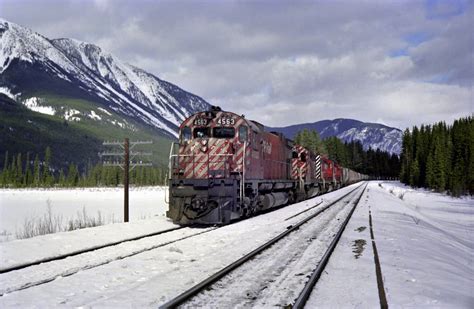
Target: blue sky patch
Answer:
pixel 416 38
pixel 444 9
pixel 442 78
pixel 399 52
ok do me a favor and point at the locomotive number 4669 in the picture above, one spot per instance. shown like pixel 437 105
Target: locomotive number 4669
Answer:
pixel 226 121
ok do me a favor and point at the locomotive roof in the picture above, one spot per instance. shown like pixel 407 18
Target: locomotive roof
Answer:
pixel 254 125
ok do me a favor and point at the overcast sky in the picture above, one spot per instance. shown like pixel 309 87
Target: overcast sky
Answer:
pixel 400 63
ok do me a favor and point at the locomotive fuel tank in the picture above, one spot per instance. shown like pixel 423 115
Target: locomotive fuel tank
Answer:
pixel 274 199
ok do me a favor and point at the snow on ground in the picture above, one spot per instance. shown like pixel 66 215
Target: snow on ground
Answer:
pixel 94 116
pixel 18 205
pixel 150 278
pixel 423 241
pixel 34 104
pixel 426 248
pixel 72 115
pixel 105 111
pixel 8 93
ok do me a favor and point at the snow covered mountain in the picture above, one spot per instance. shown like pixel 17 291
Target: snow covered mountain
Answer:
pixel 374 135
pixel 34 68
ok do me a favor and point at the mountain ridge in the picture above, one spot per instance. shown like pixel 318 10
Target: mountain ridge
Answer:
pixel 99 75
pixel 373 135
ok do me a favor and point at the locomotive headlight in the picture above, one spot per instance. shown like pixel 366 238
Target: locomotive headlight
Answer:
pixel 204 142
pixel 204 148
pixel 198 204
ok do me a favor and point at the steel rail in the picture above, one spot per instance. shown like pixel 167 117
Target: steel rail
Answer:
pixel 178 300
pixel 306 292
pixel 76 270
pixel 314 206
pixel 82 251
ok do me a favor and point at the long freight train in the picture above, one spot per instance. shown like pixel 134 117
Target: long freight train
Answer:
pixel 226 167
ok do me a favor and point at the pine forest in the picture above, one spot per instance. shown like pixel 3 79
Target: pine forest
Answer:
pixel 440 157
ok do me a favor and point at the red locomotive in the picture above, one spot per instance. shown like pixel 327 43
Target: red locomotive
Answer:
pixel 226 167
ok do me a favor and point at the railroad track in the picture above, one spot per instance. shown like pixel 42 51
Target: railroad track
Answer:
pixel 309 286
pixel 82 251
pixel 17 286
pixel 228 279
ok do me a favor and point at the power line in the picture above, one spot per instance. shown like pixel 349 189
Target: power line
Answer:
pixel 125 160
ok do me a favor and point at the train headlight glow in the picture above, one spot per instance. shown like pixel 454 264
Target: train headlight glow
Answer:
pixel 204 142
pixel 204 148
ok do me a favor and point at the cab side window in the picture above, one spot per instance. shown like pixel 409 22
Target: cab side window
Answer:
pixel 255 144
pixel 243 134
pixel 186 134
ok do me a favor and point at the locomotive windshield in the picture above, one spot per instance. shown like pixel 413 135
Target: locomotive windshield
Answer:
pixel 186 134
pixel 201 132
pixel 223 132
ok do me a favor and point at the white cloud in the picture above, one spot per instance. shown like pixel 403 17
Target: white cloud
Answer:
pixel 287 62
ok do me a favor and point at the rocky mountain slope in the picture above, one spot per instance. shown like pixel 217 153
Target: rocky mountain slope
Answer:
pixel 64 87
pixel 374 135
pixel 33 68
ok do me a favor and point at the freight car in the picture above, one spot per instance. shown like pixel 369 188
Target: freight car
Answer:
pixel 226 167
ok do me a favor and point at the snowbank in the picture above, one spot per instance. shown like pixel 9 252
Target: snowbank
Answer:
pixel 18 205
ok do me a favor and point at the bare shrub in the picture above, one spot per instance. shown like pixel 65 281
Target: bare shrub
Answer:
pixel 401 196
pixel 84 221
pixel 47 224
pixel 5 236
pixel 50 223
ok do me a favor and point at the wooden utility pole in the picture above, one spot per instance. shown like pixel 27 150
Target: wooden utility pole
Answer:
pixel 125 161
pixel 125 179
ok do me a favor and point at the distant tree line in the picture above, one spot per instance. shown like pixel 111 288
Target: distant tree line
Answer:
pixel 440 157
pixel 375 163
pixel 22 171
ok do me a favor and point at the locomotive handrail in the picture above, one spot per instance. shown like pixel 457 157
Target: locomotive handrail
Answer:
pixel 193 159
pixel 166 185
pixel 217 155
pixel 242 181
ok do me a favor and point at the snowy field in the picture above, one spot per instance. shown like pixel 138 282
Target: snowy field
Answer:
pixel 424 242
pixel 18 205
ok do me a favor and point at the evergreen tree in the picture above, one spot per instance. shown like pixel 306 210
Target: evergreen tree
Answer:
pixel 28 175
pixel 414 174
pixel 438 179
pixel 36 172
pixel 311 141
pixel 72 175
pixel 14 172
pixel 430 173
pixel 469 154
pixel 5 172
pixel 47 178
pixel 19 171
pixel 62 182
